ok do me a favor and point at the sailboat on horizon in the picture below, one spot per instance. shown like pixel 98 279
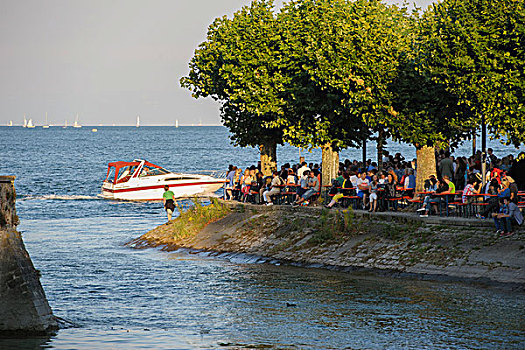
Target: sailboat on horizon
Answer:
pixel 46 125
pixel 30 124
pixel 176 123
pixel 25 122
pixel 138 121
pixel 76 124
pixel 10 123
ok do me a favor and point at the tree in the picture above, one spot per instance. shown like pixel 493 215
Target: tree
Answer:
pixel 427 116
pixel 238 65
pixel 475 49
pixel 341 56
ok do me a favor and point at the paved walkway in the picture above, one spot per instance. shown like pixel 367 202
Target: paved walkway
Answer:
pixel 384 216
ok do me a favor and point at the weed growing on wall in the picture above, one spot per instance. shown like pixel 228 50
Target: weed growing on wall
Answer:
pixel 195 218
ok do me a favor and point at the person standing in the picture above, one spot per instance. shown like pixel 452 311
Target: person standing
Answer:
pixel 302 169
pixel 169 201
pixel 446 167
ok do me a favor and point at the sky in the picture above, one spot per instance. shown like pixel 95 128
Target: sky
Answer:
pixel 106 60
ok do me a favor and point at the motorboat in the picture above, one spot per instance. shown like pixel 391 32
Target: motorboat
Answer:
pixel 141 180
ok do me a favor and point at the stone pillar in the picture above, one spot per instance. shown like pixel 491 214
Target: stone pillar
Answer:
pixel 24 310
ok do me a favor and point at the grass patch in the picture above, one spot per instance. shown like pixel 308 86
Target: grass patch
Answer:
pixel 333 226
pixel 195 218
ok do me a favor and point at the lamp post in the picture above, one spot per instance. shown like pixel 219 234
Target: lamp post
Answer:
pixel 483 150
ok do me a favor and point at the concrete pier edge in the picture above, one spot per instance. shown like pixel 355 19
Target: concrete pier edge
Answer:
pixel 448 249
pixel 24 309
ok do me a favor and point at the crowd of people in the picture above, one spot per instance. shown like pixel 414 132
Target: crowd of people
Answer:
pixel 374 189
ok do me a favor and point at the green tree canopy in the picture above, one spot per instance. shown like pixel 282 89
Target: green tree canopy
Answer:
pixel 341 57
pixel 475 49
pixel 238 65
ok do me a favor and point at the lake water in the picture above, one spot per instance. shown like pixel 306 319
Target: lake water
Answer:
pixel 124 298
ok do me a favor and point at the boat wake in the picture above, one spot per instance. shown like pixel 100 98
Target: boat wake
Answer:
pixel 57 197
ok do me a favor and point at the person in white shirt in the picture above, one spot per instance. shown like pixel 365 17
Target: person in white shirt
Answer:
pixel 302 169
pixel 363 185
pixel 274 188
pixel 353 179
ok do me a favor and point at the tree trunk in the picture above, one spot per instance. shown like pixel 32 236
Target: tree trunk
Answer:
pixel 268 158
pixel 330 165
pixel 380 144
pixel 426 166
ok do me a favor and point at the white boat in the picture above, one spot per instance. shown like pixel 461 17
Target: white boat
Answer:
pixel 30 124
pixel 138 121
pixel 141 180
pixel 25 122
pixel 10 123
pixel 176 123
pixel 76 124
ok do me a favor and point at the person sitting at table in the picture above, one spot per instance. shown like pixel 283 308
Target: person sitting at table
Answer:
pixel 451 188
pixel 409 183
pixel 430 187
pixel 373 193
pixel 274 188
pixel 258 186
pixel 246 181
pixel 344 190
pixel 435 200
pixel 339 179
pixel 508 215
pixel 513 188
pixel 363 188
pixel 468 191
pixel 303 185
pixel 497 192
pixel 291 181
pixel 313 187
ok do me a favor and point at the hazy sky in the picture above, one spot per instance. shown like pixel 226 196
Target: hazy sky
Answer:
pixel 107 60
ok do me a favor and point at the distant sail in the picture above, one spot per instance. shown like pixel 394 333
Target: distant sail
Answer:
pixel 76 124
pixel 30 124
pixel 138 121
pixel 176 123
pixel 25 122
pixel 10 123
pixel 46 125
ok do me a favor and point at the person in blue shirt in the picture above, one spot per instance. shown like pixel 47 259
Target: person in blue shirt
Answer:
pixel 502 192
pixel 508 214
pixel 501 218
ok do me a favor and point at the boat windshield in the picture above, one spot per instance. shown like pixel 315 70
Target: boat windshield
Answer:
pixel 151 171
pixel 126 173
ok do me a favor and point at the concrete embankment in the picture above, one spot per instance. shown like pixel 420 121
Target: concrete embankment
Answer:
pixel 397 243
pixel 24 310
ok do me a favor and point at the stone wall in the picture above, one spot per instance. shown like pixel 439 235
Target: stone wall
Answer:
pixel 398 243
pixel 24 309
pixel 8 217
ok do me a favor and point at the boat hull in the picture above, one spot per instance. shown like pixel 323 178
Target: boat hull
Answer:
pixel 154 192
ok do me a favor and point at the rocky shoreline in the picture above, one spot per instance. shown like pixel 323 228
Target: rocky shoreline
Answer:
pixel 399 244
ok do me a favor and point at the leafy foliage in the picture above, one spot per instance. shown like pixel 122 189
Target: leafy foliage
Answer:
pixel 238 66
pixel 475 50
pixel 329 72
